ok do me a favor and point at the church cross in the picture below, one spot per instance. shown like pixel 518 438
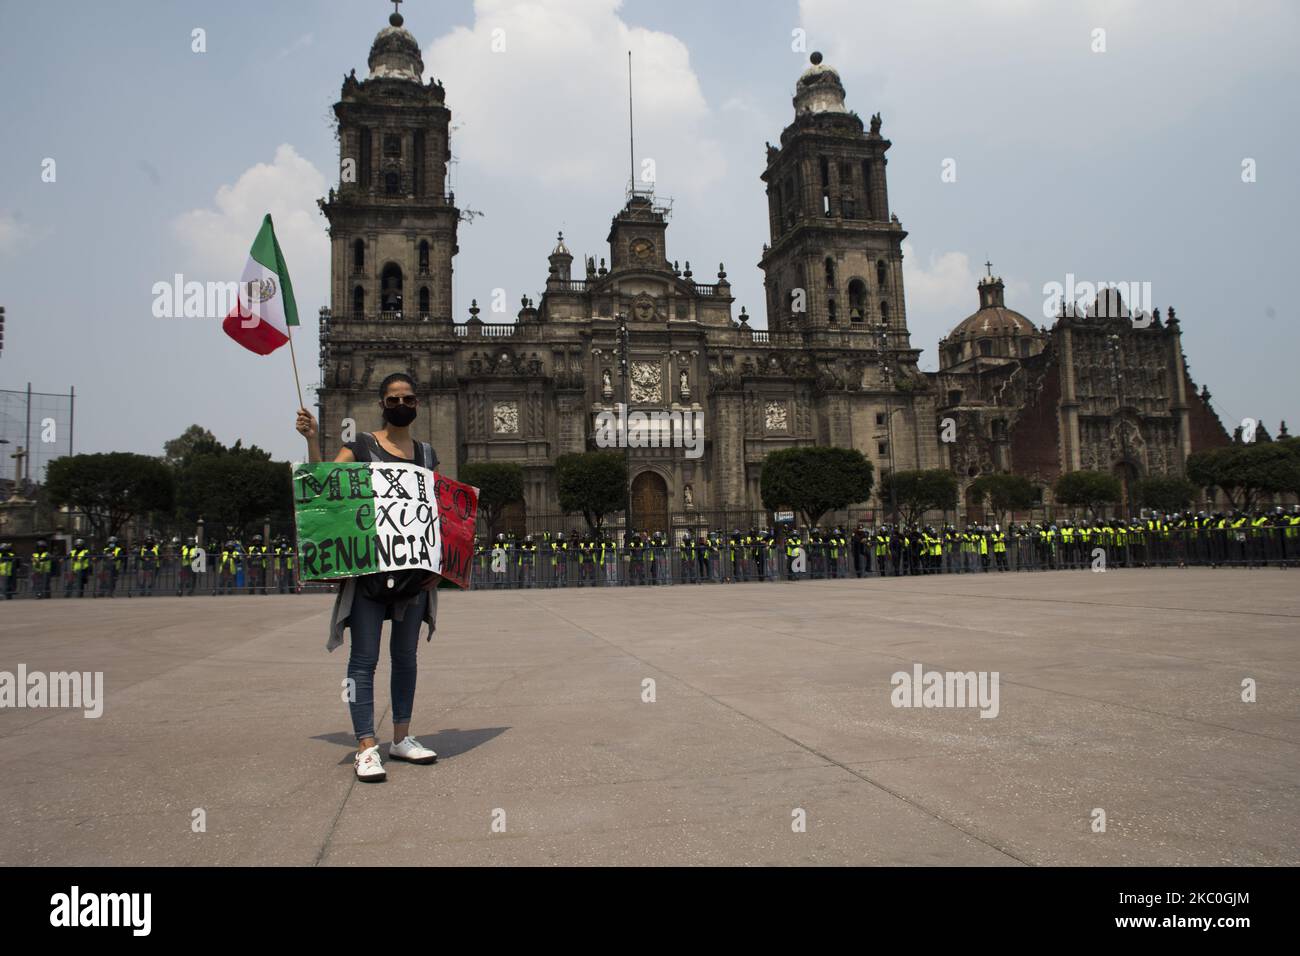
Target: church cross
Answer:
pixel 988 265
pixel 396 5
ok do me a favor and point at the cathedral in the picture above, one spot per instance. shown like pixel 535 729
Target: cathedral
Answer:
pixel 834 366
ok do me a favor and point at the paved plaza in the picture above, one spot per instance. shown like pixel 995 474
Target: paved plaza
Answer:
pixel 771 705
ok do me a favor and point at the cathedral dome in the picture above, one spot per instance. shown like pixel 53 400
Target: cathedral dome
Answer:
pixel 993 332
pixel 395 54
pixel 819 89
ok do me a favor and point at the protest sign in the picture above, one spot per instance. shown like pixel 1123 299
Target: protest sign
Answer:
pixel 358 518
pixel 457 515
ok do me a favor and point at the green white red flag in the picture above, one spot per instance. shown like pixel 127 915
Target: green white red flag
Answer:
pixel 260 321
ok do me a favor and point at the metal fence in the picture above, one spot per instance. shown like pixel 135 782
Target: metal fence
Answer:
pixel 132 577
pixel 722 561
pixel 40 423
pixel 655 564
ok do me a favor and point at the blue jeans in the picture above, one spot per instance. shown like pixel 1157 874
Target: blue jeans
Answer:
pixel 366 623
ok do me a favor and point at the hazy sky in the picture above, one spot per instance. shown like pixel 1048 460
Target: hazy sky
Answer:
pixel 1122 165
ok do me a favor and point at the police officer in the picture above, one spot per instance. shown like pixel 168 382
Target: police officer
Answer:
pixel 284 565
pixel 526 562
pixel 112 562
pixel 78 568
pixel 186 578
pixel 42 566
pixel 689 573
pixel 636 558
pixel 793 548
pixel 559 561
pixel 228 568
pixel 609 559
pixel 8 569
pixel 255 566
pixel 736 555
pixel 147 558
pixel 758 552
pixel 651 542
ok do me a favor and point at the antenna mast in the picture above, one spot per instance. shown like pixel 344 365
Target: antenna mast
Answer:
pixel 631 150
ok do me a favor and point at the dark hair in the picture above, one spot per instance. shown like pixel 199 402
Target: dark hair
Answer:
pixel 395 377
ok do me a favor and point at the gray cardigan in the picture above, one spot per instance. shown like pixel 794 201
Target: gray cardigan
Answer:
pixel 343 611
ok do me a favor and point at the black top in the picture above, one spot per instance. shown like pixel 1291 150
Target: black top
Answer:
pixel 367 448
pixel 376 586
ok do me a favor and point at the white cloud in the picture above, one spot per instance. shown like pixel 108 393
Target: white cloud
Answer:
pixel 1024 70
pixel 217 240
pixel 552 106
pixel 14 233
pixel 945 286
pixel 304 41
pixel 941 293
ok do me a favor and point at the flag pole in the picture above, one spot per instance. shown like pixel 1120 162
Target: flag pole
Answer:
pixel 294 359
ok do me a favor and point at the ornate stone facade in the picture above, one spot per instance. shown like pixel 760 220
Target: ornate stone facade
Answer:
pixel 528 391
pixel 1099 391
pixel 835 365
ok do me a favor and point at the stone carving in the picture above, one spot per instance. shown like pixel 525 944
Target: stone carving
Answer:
pixel 647 382
pixel 683 384
pixel 777 418
pixel 644 308
pixel 606 385
pixel 688 497
pixel 505 418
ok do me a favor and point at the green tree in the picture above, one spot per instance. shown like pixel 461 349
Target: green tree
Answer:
pixel 236 491
pixel 1165 494
pixel 592 483
pixel 913 493
pixel 815 480
pixel 110 488
pixel 195 440
pixel 499 484
pixel 1005 493
pixel 1246 472
pixel 1088 489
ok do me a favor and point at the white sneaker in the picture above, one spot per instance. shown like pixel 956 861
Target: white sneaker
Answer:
pixel 412 751
pixel 369 767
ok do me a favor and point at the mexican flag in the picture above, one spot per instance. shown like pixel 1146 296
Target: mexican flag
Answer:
pixel 266 309
pixel 358 518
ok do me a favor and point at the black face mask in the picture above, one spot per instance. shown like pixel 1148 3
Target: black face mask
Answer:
pixel 401 416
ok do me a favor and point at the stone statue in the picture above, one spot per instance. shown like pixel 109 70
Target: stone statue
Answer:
pixel 684 383
pixel 687 495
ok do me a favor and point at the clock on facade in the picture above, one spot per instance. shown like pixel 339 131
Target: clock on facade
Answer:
pixel 642 250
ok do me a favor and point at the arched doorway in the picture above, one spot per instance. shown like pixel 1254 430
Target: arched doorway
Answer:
pixel 974 505
pixel 649 502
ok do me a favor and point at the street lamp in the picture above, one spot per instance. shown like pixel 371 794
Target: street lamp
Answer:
pixel 882 333
pixel 1114 341
pixel 624 373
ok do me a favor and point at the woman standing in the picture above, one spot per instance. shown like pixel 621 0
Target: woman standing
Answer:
pixel 407 598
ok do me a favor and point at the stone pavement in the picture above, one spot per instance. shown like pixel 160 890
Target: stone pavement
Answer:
pixel 1117 691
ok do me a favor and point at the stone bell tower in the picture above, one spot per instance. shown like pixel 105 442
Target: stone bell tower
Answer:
pixel 392 228
pixel 835 256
